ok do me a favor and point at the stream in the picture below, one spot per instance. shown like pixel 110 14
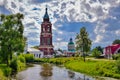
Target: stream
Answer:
pixel 50 72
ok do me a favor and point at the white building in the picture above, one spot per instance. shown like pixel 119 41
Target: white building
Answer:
pixel 36 53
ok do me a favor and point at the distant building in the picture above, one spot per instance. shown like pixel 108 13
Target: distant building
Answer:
pixel 46 45
pixel 112 49
pixel 36 53
pixel 71 48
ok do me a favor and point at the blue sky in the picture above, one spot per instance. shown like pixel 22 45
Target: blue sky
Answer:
pixel 100 17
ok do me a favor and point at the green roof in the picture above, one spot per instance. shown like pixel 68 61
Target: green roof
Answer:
pixel 71 49
pixel 70 43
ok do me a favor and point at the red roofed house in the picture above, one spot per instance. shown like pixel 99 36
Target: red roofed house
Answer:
pixel 112 49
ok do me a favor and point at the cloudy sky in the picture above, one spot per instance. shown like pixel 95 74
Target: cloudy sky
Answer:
pixel 100 17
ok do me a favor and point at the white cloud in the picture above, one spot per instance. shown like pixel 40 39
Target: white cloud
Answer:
pixel 117 32
pixel 94 11
pixel 62 45
pixel 58 39
pixel 1 2
pixel 100 28
pixel 98 39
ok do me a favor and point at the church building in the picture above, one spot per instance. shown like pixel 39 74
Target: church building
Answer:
pixel 71 48
pixel 46 45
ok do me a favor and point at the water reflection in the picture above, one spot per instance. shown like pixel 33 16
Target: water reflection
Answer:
pixel 50 72
pixel 46 70
pixel 71 74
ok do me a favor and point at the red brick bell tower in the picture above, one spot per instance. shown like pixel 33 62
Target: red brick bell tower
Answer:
pixel 46 36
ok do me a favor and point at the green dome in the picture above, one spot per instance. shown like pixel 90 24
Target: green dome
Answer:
pixel 70 43
pixel 71 50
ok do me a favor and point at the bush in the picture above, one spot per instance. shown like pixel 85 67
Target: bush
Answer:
pixel 116 56
pixel 7 71
pixel 21 66
pixel 22 58
pixel 2 77
pixel 96 53
pixel 17 65
pixel 14 65
pixel 118 65
pixel 29 57
pixel 116 76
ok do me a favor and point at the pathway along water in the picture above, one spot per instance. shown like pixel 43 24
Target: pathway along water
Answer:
pixel 50 72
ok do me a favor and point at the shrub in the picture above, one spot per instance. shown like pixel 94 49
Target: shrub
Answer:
pixel 14 65
pixel 96 53
pixel 2 77
pixel 118 65
pixel 7 71
pixel 22 58
pixel 17 65
pixel 29 57
pixel 21 66
pixel 107 74
pixel 116 56
pixel 116 76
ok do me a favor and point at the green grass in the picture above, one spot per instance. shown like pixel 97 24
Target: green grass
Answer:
pixel 93 67
pixel 2 77
pixel 57 60
pixel 4 71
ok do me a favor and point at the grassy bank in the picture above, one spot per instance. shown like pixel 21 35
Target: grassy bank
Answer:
pixel 17 64
pixel 5 71
pixel 102 68
pixel 95 68
pixel 57 60
pixel 2 77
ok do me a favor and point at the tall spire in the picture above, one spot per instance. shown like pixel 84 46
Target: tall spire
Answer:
pixel 71 40
pixel 46 16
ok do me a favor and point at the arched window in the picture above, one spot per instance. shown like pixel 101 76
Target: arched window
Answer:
pixel 43 29
pixel 48 41
pixel 42 41
pixel 48 29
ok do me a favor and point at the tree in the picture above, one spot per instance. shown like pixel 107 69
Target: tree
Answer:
pixel 11 36
pixel 99 48
pixel 96 53
pixel 36 47
pixel 83 42
pixel 117 41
